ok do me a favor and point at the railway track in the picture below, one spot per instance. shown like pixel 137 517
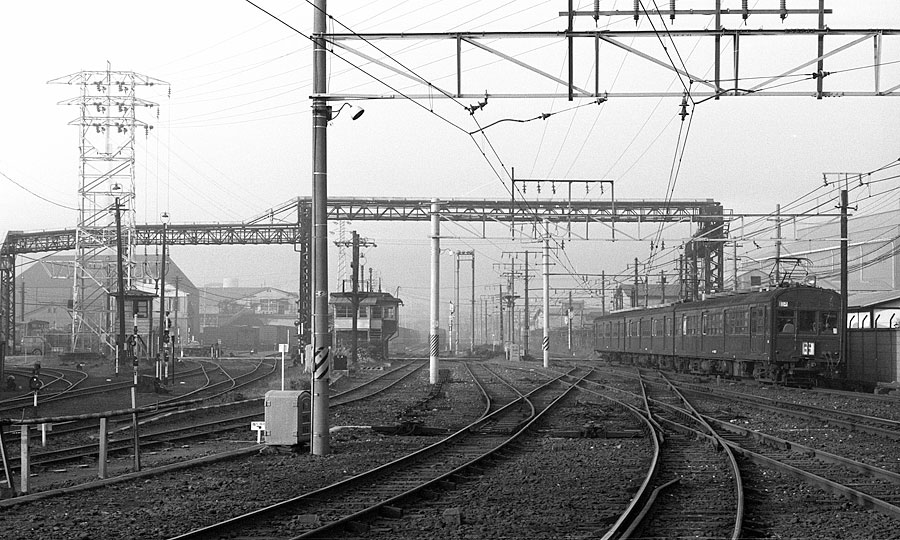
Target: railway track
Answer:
pixel 350 503
pixel 194 423
pixel 866 485
pixel 848 420
pixel 697 491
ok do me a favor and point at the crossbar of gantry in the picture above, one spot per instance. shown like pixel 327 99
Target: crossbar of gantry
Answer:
pixel 415 209
pixel 288 224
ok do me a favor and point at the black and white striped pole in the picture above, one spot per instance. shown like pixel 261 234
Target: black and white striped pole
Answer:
pixel 545 343
pixel 320 444
pixel 435 326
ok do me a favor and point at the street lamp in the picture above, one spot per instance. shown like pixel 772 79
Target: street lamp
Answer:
pixel 359 111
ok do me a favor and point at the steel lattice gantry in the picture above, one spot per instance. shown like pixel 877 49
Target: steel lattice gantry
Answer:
pixel 289 224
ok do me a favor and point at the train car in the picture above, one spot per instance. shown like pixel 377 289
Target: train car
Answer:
pixel 788 335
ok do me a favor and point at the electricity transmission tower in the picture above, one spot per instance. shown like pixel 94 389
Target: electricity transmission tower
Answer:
pixel 107 126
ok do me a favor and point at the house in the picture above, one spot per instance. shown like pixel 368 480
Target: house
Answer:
pixel 245 318
pixel 44 296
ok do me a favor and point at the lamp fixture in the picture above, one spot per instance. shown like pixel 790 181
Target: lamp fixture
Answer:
pixel 359 111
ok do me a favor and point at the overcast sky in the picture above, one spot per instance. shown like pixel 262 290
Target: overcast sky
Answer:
pixel 233 138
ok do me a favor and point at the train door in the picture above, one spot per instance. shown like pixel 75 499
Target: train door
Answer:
pixel 704 330
pixel 757 330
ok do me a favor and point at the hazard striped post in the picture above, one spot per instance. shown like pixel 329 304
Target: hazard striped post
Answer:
pixel 321 339
pixel 545 343
pixel 434 334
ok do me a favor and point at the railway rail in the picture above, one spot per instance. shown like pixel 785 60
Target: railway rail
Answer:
pixel 351 502
pixel 191 424
pixel 863 484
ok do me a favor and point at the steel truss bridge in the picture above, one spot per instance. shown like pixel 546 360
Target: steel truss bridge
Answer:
pixel 290 224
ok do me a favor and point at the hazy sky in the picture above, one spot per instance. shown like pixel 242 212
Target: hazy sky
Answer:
pixel 233 138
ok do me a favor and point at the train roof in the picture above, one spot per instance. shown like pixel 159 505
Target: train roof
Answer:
pixel 727 299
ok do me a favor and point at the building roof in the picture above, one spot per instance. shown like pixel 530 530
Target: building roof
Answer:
pixel 366 298
pixel 55 272
pixel 871 299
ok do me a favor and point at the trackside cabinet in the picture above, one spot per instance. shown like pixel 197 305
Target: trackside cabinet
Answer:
pixel 287 417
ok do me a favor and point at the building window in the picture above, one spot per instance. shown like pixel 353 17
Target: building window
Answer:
pixel 343 310
pixel 141 308
pixel 375 312
pixel 755 281
pixel 390 313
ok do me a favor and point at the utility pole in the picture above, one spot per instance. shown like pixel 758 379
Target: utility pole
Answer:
pixel 456 303
pixel 434 337
pixel 160 351
pixel 569 321
pixel 500 317
pixel 177 337
pixel 845 346
pixel 527 324
pixel 777 245
pixel 603 292
pixel 736 287
pixel 662 287
pixel 321 114
pixel 120 284
pixel 646 288
pixel 355 298
pixel 472 345
pixel 634 294
pixel 545 342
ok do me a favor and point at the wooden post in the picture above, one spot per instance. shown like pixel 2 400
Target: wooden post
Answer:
pixel 104 443
pixel 24 467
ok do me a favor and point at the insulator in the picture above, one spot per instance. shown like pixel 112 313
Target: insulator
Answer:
pixel 745 8
pixel 671 10
pixel 539 187
pixel 637 5
pixel 553 187
pixel 783 9
pixel 596 10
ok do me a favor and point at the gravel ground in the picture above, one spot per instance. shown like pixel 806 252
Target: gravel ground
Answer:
pixel 551 484
pixel 550 488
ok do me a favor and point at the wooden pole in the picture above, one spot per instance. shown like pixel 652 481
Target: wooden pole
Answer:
pixel 104 445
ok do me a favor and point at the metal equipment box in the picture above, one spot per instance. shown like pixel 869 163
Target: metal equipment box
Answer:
pixel 288 416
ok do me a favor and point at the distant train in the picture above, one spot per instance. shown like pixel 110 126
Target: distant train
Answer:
pixel 788 335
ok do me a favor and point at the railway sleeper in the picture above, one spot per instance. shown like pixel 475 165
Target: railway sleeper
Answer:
pixel 391 512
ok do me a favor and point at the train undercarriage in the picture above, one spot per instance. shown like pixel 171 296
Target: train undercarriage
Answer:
pixel 804 372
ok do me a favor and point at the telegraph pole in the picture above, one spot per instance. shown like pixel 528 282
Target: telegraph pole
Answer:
pixel 160 354
pixel 456 306
pixel 634 295
pixel 545 342
pixel 355 299
pixel 527 324
pixel 120 284
pixel 434 337
pixel 777 245
pixel 845 349
pixel 320 444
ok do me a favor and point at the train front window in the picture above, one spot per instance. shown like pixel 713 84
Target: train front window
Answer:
pixel 784 321
pixel 806 321
pixel 829 322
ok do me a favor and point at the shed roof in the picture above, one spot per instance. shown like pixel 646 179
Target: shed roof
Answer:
pixel 872 299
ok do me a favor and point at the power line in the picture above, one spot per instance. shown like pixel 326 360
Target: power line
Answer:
pixel 39 196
